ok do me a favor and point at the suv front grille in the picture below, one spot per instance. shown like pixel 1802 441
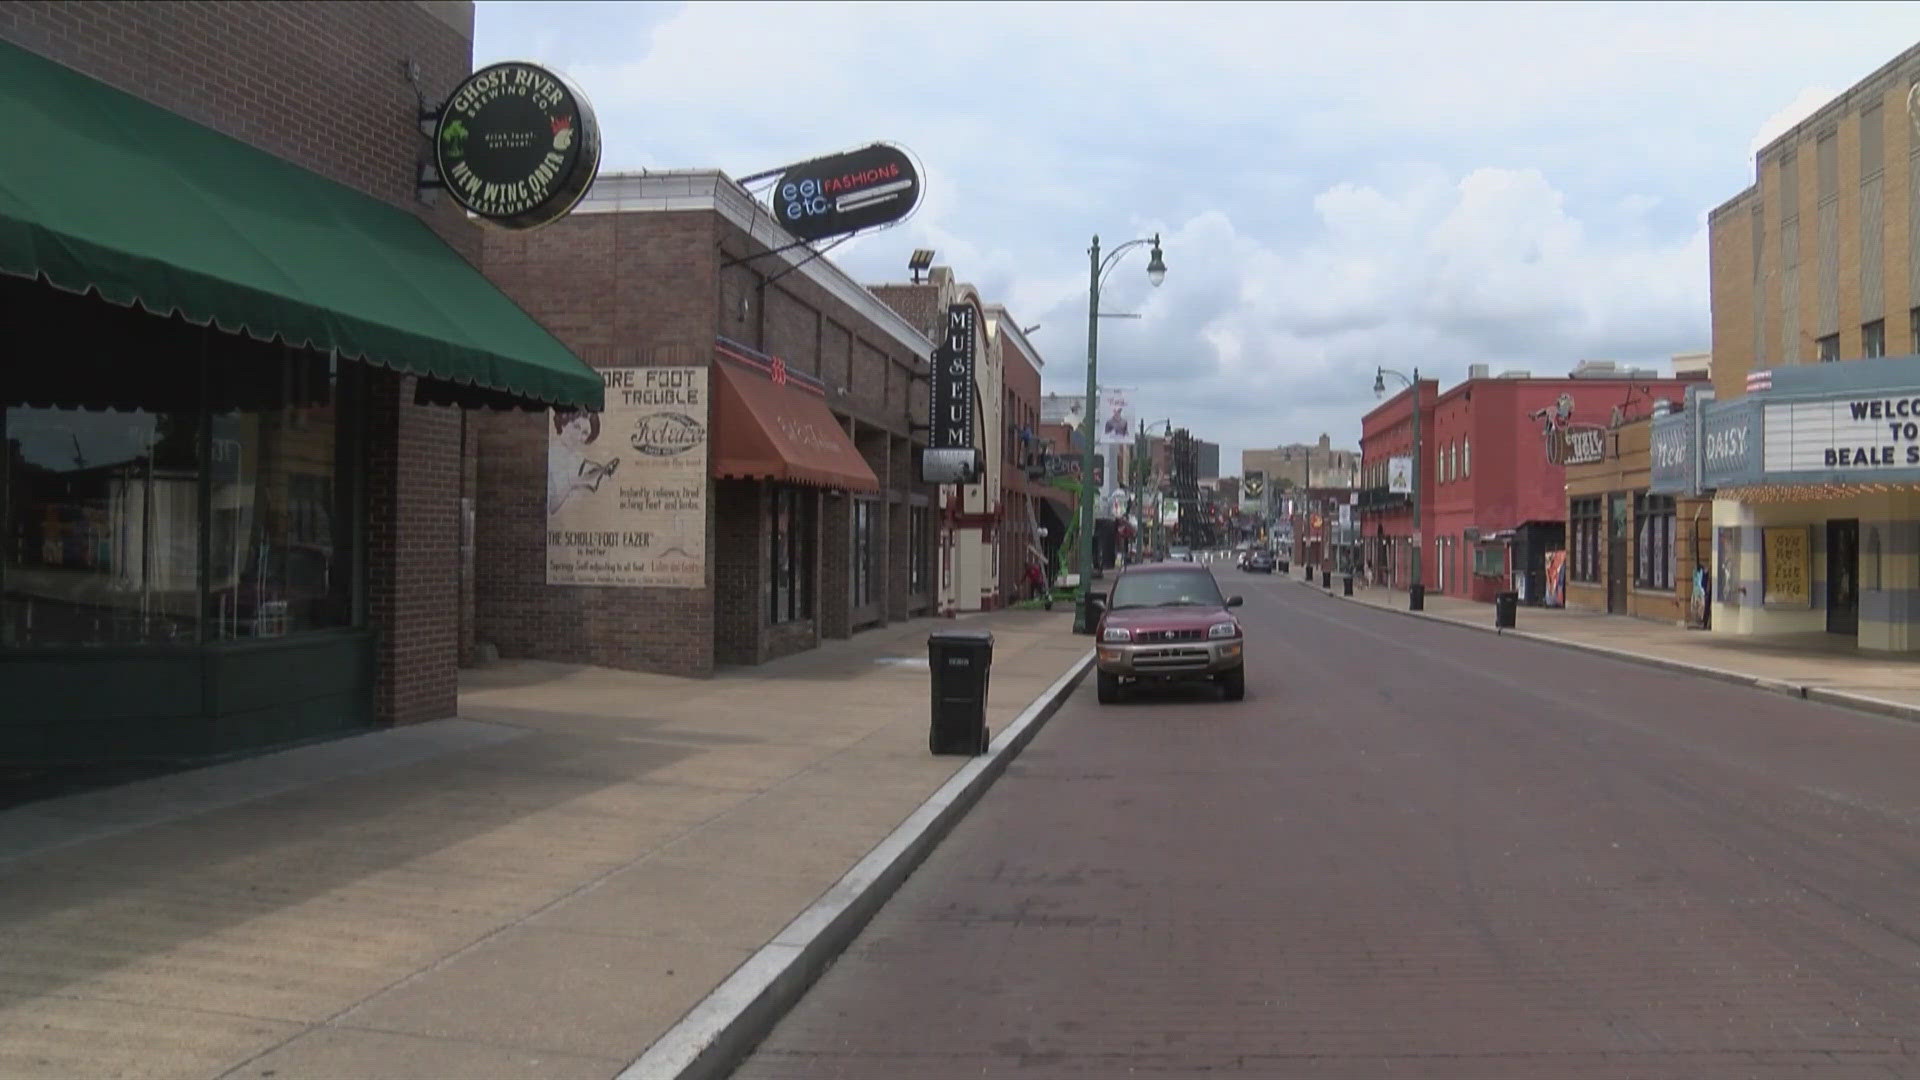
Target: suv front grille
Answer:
pixel 1170 635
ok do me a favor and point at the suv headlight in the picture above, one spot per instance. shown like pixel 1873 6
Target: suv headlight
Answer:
pixel 1224 629
pixel 1115 633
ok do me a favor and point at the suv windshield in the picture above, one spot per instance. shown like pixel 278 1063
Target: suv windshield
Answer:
pixel 1165 590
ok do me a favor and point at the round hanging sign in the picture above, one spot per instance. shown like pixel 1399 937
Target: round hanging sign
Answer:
pixel 517 145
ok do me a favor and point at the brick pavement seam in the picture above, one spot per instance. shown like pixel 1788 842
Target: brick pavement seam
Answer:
pixel 719 1032
pixel 1844 698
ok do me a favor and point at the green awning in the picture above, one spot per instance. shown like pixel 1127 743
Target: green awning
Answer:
pixel 101 190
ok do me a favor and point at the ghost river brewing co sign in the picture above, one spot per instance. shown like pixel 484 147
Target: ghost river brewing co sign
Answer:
pixel 844 193
pixel 517 145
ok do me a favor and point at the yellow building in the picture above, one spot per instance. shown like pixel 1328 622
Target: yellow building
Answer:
pixel 1811 443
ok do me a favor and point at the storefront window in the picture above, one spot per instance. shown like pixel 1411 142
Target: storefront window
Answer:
pixel 102 526
pixel 1654 563
pixel 280 524
pixel 170 485
pixel 1584 526
pixel 791 554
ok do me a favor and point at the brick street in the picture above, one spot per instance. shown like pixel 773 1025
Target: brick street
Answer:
pixel 1414 850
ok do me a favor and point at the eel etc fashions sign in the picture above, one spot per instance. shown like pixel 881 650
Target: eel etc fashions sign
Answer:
pixel 517 145
pixel 845 193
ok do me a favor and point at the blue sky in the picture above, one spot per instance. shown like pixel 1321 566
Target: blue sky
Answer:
pixel 1337 186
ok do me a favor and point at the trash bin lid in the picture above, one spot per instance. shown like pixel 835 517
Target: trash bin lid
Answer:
pixel 963 637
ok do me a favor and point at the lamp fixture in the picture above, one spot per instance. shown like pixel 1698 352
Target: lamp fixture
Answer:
pixel 1156 266
pixel 919 262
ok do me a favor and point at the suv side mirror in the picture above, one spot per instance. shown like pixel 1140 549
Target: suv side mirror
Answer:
pixel 1236 601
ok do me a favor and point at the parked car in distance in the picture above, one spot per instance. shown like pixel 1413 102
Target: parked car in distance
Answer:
pixel 1259 562
pixel 1179 554
pixel 1167 622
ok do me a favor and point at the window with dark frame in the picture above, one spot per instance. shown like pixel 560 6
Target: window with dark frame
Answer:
pixel 1873 339
pixel 1584 520
pixel 1654 557
pixel 917 551
pixel 1913 329
pixel 1827 349
pixel 866 546
pixel 790 554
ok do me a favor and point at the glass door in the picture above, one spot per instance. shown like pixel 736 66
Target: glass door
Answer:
pixel 1616 554
pixel 1843 576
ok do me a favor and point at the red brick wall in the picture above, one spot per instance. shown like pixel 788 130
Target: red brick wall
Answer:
pixel 869 381
pixel 651 288
pixel 322 85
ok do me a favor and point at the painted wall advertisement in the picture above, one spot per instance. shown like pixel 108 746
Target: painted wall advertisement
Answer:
pixel 627 487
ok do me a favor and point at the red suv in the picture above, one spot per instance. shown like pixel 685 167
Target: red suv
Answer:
pixel 1168 622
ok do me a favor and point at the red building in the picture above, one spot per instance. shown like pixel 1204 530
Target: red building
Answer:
pixel 1493 473
pixel 1386 514
pixel 1034 512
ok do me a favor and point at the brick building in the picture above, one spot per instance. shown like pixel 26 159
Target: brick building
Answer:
pixel 1493 494
pixel 813 521
pixel 1034 512
pixel 237 522
pixel 1815 285
pixel 1631 550
pixel 1387 525
pixel 970 555
pixel 1303 465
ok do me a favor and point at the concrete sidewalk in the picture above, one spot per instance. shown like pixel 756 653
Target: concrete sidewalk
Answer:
pixel 1820 667
pixel 541 887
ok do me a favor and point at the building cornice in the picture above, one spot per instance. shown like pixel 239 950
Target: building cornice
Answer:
pixel 710 189
pixel 1005 323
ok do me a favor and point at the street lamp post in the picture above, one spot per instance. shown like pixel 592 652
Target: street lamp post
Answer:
pixel 1415 595
pixel 1097 270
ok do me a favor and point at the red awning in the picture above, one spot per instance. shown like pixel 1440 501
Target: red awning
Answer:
pixel 765 431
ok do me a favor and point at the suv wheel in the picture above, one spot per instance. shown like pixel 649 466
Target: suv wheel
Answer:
pixel 1108 686
pixel 1233 684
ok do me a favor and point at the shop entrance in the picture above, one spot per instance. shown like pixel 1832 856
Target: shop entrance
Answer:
pixel 1616 554
pixel 1843 577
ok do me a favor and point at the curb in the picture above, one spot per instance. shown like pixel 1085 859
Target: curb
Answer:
pixel 719 1032
pixel 1862 702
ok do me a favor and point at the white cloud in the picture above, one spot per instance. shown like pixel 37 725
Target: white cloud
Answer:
pixel 1804 104
pixel 1338 185
pixel 1278 341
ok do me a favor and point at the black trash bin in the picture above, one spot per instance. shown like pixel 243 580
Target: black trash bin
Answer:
pixel 1346 585
pixel 1284 567
pixel 1417 598
pixel 1326 579
pixel 1505 606
pixel 960 661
